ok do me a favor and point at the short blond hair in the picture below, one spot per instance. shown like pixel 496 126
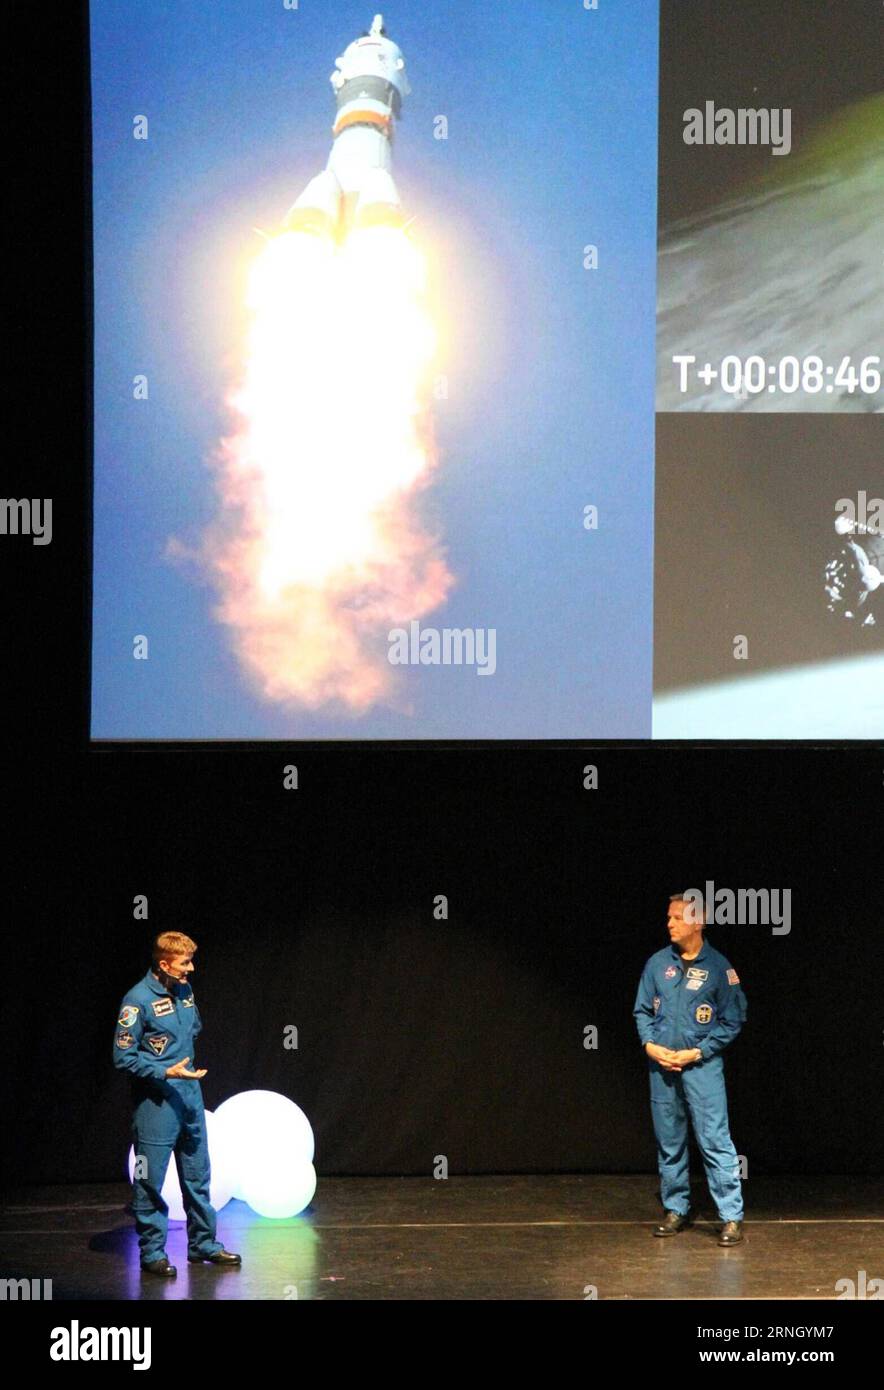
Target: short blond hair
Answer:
pixel 172 943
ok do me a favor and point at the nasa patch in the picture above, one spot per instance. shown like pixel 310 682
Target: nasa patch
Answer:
pixel 159 1042
pixel 669 972
pixel 125 1040
pixel 129 1015
pixel 732 977
pixel 162 1007
pixel 703 1013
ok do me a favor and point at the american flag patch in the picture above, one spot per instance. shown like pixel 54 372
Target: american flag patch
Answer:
pixel 733 977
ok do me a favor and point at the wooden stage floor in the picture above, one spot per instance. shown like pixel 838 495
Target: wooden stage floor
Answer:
pixel 529 1237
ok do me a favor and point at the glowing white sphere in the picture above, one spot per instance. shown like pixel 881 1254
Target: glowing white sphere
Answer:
pixel 222 1182
pixel 257 1124
pixel 277 1188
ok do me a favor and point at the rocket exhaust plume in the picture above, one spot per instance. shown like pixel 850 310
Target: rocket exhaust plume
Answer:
pixel 318 552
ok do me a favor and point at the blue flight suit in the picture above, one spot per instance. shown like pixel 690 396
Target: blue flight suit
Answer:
pixel 156 1027
pixel 689 1004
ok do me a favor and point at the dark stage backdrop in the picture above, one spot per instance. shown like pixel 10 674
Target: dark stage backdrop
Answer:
pixel 315 907
pixel 464 1037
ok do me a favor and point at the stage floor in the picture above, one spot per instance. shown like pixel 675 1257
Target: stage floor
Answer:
pixel 537 1237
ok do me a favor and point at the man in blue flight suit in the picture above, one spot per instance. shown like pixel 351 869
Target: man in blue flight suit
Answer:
pixel 689 1006
pixel 154 1041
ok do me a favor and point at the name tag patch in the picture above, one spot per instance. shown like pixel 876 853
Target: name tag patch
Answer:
pixel 163 1006
pixel 694 984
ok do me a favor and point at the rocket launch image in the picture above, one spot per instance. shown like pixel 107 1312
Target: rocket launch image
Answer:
pixel 378 370
pixel 385 289
pixel 319 551
pixel 357 187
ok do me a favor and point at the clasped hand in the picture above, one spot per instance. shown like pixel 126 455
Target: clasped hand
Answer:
pixel 673 1061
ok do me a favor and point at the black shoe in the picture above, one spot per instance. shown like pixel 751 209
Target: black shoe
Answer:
pixel 672 1224
pixel 160 1267
pixel 731 1233
pixel 221 1257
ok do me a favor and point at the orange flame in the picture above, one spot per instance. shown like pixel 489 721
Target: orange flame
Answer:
pixel 318 552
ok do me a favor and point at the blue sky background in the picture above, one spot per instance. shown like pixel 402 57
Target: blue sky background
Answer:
pixel 552 145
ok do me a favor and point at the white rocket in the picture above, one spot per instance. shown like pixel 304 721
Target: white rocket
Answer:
pixel 356 187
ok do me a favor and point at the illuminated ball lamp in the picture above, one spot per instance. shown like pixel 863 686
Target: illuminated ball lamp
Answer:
pixel 268 1147
pixel 221 1189
pixel 277 1188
